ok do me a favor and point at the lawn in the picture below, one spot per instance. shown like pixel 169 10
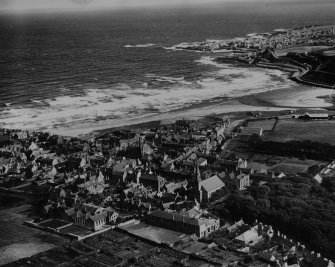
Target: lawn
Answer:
pixel 19 241
pixel 76 230
pixel 54 223
pixel 294 129
pixel 266 125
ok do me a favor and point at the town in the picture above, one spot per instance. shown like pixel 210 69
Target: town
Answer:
pixel 247 190
pixel 307 52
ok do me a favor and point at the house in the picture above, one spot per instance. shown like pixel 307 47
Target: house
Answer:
pixel 172 186
pixel 183 223
pixel 235 226
pixel 96 222
pixel 156 182
pixel 167 200
pixel 249 237
pixel 315 116
pixel 22 135
pixel 93 217
pixel 57 193
pixel 201 161
pixel 209 186
pixel 243 181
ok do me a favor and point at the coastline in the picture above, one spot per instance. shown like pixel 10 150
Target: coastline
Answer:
pixel 276 101
pixel 294 96
pixel 296 73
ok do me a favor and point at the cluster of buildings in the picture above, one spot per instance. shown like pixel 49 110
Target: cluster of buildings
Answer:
pixel 165 177
pixel 266 245
pixel 306 36
pixel 246 49
pixel 101 180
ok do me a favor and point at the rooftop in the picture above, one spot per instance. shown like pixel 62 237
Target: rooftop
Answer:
pixel 212 183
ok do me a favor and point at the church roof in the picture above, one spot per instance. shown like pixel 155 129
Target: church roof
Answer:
pixel 212 183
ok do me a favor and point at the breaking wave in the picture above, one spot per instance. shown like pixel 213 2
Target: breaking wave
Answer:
pixel 159 94
pixel 139 45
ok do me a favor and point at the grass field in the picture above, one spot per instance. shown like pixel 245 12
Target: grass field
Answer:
pixel 266 125
pixel 19 241
pixel 294 129
pixel 76 230
pixel 295 165
pixel 54 223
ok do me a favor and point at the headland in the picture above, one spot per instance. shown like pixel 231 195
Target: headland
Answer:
pixel 307 53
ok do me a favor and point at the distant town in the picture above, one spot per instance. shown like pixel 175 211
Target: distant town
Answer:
pixel 254 189
pixel 307 52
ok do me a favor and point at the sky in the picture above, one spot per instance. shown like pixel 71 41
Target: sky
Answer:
pixel 91 4
pixel 70 4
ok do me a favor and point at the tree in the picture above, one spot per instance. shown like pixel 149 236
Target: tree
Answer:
pixel 221 193
pixel 329 184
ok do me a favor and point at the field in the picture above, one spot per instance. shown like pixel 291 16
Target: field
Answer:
pixel 18 241
pixel 9 201
pixel 266 125
pixel 295 165
pixel 153 233
pixel 54 224
pixel 294 129
pixel 76 230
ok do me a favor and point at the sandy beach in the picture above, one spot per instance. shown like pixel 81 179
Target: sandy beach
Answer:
pixel 227 88
pixel 277 100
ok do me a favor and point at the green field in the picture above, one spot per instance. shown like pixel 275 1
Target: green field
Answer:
pixel 54 223
pixel 295 165
pixel 294 129
pixel 19 241
pixel 266 125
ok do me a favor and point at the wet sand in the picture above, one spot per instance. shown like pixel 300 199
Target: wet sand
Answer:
pixel 301 97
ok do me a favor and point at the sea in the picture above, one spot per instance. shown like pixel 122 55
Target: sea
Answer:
pixel 72 72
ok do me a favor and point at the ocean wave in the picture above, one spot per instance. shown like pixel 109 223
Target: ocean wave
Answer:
pixel 37 101
pixel 122 103
pixel 139 45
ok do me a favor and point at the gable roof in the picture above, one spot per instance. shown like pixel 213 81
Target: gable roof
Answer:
pixel 99 216
pixel 212 183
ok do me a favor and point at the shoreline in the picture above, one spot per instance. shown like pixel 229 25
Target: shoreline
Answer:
pixel 296 73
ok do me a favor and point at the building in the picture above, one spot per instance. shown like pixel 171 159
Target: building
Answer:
pixel 93 217
pixel 243 181
pixel 209 186
pixel 57 193
pixel 319 116
pixel 183 223
pixel 249 237
pixel 156 182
